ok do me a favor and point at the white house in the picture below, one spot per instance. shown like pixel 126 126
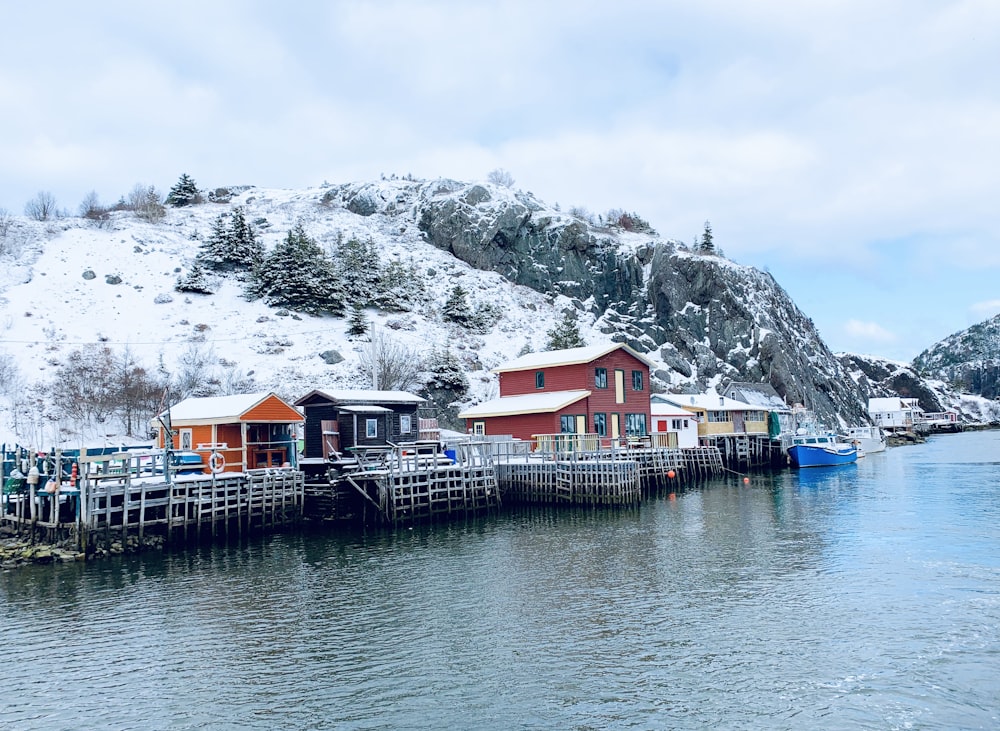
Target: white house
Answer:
pixel 894 413
pixel 672 420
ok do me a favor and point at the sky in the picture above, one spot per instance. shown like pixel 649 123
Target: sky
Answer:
pixel 850 148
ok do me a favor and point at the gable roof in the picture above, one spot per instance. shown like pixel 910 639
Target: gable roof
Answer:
pixel 569 356
pixel 761 395
pixel 230 409
pixel 700 401
pixel 530 403
pixel 348 396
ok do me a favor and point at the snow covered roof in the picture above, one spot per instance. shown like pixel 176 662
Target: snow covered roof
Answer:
pixel 530 403
pixel 347 396
pixel 365 409
pixel 569 356
pixel 657 408
pixel 761 395
pixel 216 409
pixel 892 403
pixel 701 401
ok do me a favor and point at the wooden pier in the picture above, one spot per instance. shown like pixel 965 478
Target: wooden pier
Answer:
pixel 405 483
pixel 109 497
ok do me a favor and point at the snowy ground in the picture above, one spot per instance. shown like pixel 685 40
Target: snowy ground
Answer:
pixel 48 307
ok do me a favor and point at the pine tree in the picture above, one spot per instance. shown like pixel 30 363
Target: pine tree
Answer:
pixel 246 250
pixel 214 251
pixel 184 192
pixel 707 244
pixel 456 308
pixel 298 275
pixel 358 323
pixel 565 335
pixel 196 281
pixel 358 266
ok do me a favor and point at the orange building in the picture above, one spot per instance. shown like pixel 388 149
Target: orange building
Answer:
pixel 244 431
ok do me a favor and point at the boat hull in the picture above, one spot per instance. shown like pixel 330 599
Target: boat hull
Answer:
pixel 809 455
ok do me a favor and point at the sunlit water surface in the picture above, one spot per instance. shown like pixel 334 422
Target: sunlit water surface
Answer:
pixel 865 596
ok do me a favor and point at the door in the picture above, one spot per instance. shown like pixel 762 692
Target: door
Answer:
pixel 616 426
pixel 581 424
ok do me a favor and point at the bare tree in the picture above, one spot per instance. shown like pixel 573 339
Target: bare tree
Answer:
pixel 92 209
pixel 5 222
pixel 501 177
pixel 42 207
pixel 146 202
pixel 390 365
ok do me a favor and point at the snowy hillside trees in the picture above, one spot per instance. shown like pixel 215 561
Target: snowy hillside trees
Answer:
pixel 184 192
pixel 298 275
pixel 232 246
pixel 565 335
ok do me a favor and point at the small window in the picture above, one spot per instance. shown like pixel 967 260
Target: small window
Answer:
pixel 371 428
pixel 405 425
pixel 567 424
pixel 539 379
pixel 636 380
pixel 186 441
pixel 479 428
pixel 601 424
pixel 600 378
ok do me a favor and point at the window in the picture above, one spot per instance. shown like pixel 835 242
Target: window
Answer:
pixel 600 378
pixel 719 416
pixel 678 424
pixel 371 428
pixel 186 442
pixel 567 424
pixel 479 428
pixel 754 416
pixel 636 380
pixel 601 423
pixel 405 425
pixel 635 425
pixel 539 379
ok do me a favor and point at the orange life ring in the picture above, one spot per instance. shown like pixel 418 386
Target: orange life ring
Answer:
pixel 216 463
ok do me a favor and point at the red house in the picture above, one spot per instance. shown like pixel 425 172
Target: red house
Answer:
pixel 599 389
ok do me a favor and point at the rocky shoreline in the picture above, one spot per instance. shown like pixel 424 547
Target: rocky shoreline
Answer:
pixel 18 551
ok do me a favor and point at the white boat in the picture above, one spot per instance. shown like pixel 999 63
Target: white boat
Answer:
pixel 869 438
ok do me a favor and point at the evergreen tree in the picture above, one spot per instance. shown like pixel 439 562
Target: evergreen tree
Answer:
pixel 357 265
pixel 566 334
pixel 184 192
pixel 456 308
pixel 232 245
pixel 399 287
pixel 707 244
pixel 445 372
pixel 298 275
pixel 196 281
pixel 358 323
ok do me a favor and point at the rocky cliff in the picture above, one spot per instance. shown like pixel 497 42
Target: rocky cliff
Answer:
pixel 702 317
pixel 968 360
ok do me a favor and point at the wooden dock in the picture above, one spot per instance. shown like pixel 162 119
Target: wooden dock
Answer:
pixel 113 496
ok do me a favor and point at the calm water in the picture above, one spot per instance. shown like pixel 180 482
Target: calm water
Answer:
pixel 865 596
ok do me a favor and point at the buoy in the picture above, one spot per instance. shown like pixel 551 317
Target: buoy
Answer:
pixel 746 480
pixel 671 474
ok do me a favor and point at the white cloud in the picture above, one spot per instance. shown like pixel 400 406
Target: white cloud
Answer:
pixel 868 331
pixel 985 310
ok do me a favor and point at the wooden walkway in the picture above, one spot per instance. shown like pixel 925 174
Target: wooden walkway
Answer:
pixel 121 494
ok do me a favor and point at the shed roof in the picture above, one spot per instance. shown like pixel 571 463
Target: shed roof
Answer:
pixel 700 401
pixel 346 396
pixel 761 395
pixel 569 356
pixel 229 409
pixel 530 403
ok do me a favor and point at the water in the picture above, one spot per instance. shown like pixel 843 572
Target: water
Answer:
pixel 865 596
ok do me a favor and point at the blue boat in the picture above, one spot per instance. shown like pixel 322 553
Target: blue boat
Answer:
pixel 820 450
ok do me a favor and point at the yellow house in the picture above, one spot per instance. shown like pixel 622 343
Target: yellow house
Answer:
pixel 718 414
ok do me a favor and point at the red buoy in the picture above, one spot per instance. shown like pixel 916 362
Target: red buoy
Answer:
pixel 746 480
pixel 671 474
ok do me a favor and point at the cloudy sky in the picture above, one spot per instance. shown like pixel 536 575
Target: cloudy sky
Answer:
pixel 849 147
